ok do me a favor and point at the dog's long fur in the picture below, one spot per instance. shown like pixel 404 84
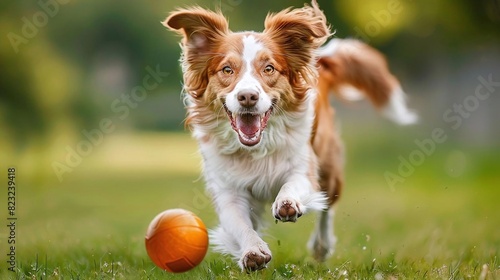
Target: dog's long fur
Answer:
pixel 258 105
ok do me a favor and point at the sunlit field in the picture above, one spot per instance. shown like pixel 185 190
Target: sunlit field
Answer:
pixel 442 222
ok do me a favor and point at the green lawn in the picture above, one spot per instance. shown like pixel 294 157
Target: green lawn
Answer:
pixel 436 225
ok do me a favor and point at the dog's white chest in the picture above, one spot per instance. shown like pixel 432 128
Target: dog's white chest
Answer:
pixel 262 177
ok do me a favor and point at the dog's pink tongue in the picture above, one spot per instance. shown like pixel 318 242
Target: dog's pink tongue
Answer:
pixel 248 124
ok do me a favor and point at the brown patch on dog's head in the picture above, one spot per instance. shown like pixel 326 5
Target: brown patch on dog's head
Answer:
pixel 296 34
pixel 202 32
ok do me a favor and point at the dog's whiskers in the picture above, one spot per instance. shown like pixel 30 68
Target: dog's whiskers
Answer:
pixel 218 114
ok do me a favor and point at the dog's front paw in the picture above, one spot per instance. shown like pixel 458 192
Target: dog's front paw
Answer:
pixel 287 210
pixel 256 258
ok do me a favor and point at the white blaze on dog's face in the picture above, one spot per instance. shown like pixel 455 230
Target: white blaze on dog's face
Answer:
pixel 248 105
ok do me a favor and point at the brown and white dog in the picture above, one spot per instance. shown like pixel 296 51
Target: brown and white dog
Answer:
pixel 258 105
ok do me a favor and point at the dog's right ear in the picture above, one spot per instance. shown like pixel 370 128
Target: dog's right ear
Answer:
pixel 199 27
pixel 202 32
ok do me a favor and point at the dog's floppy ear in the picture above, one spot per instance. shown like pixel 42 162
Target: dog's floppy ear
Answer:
pixel 298 32
pixel 202 31
pixel 199 27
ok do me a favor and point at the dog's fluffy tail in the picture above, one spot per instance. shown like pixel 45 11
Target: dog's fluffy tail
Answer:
pixel 353 70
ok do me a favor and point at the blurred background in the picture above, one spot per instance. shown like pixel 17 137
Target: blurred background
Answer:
pixel 90 95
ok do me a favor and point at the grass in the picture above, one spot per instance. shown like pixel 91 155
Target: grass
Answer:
pixel 92 225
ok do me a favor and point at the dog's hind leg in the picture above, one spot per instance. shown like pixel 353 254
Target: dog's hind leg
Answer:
pixel 330 153
pixel 322 241
pixel 331 181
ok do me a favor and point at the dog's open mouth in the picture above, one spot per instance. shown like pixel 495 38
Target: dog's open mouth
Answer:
pixel 249 126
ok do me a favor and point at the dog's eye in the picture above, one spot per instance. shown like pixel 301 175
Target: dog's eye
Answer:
pixel 269 69
pixel 227 70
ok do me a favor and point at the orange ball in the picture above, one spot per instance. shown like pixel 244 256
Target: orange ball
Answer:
pixel 176 240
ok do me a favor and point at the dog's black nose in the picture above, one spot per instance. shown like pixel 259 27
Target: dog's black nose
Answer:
pixel 248 98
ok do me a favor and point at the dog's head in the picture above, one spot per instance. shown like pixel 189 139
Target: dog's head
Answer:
pixel 248 76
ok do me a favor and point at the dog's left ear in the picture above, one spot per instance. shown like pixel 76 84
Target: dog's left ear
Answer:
pixel 298 32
